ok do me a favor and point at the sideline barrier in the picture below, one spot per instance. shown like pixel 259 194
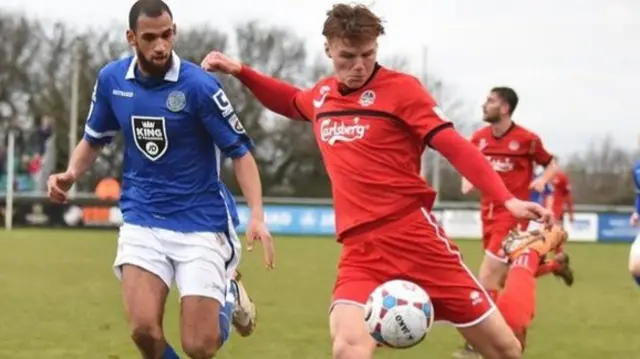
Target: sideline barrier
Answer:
pixel 302 219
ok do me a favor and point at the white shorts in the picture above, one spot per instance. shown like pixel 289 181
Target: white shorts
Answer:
pixel 201 263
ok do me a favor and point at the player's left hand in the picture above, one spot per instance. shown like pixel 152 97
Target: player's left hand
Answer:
pixel 537 185
pixel 258 231
pixel 529 210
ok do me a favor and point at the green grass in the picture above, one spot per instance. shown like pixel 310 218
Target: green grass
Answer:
pixel 60 299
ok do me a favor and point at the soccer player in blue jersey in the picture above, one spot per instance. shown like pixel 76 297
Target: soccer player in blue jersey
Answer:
pixel 179 223
pixel 634 255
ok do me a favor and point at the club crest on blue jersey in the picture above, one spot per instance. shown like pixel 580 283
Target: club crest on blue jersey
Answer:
pixel 176 101
pixel 150 136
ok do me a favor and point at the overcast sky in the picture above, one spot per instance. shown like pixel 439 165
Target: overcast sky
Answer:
pixel 574 63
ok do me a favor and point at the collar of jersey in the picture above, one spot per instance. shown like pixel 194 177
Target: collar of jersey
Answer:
pixel 171 75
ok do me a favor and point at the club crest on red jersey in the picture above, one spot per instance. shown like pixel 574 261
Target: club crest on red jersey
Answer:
pixel 367 98
pixel 482 144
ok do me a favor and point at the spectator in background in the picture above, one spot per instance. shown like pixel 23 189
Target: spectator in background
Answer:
pixel 44 132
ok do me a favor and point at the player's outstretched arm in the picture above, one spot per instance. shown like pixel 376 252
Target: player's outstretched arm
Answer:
pixel 472 164
pixel 221 121
pixel 246 171
pixel 543 157
pixel 99 130
pixel 82 158
pixel 276 95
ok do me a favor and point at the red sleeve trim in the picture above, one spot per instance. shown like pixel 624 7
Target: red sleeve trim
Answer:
pixel 429 136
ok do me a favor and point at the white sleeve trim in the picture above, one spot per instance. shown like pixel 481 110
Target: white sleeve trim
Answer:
pixel 98 135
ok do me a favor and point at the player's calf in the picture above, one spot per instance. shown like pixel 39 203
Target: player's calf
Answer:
pixel 351 339
pixel 144 295
pixel 492 339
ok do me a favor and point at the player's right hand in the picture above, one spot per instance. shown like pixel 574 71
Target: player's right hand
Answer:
pixel 57 186
pixel 633 220
pixel 257 231
pixel 216 61
pixel 529 210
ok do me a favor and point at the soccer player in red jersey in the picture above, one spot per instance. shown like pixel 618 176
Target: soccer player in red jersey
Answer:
pixel 562 198
pixel 513 151
pixel 372 125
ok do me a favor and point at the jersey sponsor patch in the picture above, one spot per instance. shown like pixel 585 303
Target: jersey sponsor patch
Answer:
pixel 223 103
pixel 332 131
pixel 150 136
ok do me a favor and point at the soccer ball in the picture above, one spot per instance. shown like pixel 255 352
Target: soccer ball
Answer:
pixel 399 314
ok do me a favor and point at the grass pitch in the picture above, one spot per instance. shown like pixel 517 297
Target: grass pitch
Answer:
pixel 60 299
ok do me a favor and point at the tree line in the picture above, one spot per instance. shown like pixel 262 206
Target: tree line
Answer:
pixel 36 69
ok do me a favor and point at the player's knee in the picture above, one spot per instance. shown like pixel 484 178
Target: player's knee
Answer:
pixel 147 335
pixel 634 269
pixel 201 346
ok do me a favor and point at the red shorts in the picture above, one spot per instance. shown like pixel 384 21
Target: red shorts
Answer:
pixel 496 227
pixel 413 248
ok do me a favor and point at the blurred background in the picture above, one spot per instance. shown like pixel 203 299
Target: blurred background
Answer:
pixel 573 63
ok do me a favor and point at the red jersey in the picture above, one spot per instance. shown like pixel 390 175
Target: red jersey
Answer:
pixel 371 141
pixel 513 155
pixel 561 194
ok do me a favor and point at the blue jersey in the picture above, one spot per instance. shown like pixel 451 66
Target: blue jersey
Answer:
pixel 636 181
pixel 176 130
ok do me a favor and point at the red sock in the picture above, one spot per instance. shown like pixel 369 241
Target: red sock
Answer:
pixel 517 301
pixel 548 267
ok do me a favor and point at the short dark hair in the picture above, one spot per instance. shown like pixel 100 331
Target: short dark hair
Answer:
pixel 355 23
pixel 151 8
pixel 508 95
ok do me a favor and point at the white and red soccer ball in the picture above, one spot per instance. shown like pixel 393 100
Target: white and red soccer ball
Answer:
pixel 399 314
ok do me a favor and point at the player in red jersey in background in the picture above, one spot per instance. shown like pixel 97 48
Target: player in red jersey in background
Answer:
pixel 372 125
pixel 562 197
pixel 513 151
pixel 559 199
